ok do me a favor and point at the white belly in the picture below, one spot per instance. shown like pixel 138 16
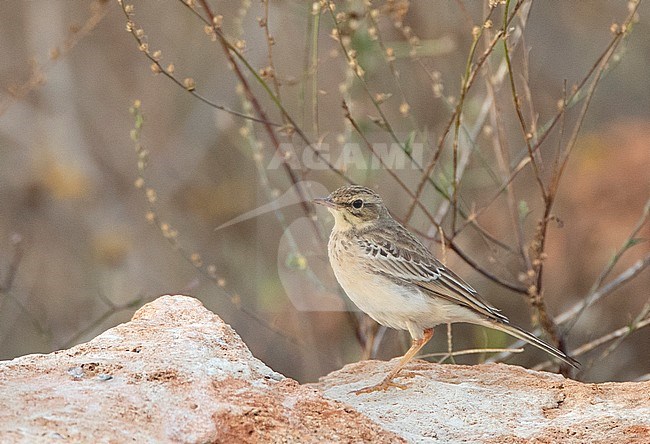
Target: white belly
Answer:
pixel 394 305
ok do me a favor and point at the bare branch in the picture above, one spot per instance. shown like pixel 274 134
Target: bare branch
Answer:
pixel 618 334
pixel 604 291
pixel 471 351
pixel 99 9
pixel 591 299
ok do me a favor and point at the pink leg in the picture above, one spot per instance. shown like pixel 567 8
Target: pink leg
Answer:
pixel 388 380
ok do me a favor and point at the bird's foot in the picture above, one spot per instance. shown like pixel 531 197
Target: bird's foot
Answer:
pixel 405 374
pixel 383 385
pixel 388 382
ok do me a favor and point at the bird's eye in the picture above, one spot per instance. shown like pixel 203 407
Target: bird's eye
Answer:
pixel 357 203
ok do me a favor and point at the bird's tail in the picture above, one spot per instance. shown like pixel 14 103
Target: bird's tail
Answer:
pixel 522 334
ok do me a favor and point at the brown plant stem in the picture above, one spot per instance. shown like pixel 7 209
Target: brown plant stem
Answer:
pixel 295 180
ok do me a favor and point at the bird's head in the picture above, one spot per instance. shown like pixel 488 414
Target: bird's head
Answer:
pixel 354 206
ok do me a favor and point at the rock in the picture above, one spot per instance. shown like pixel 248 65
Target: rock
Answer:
pixel 495 403
pixel 175 373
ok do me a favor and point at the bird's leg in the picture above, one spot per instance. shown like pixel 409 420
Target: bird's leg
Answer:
pixel 387 382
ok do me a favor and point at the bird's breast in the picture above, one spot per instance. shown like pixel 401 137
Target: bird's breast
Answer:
pixel 391 302
pixel 387 301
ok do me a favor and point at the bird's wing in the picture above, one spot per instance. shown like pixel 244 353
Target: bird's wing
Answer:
pixel 411 261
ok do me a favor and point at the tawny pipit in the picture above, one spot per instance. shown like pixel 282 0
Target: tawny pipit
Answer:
pixel 396 280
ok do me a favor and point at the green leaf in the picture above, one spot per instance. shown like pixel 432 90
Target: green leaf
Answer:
pixel 632 242
pixel 408 145
pixel 524 210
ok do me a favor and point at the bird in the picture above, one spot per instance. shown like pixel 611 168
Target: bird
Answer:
pixel 393 278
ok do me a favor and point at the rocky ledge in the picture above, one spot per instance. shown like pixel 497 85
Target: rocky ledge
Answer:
pixel 177 373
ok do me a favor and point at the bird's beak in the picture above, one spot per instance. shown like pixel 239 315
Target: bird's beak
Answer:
pixel 325 201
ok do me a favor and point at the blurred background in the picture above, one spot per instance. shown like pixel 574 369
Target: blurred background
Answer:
pixel 78 253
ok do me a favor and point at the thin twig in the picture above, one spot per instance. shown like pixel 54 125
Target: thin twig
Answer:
pixel 232 50
pixel 168 71
pixel 171 235
pixel 538 303
pixel 620 333
pixel 629 242
pixel 589 300
pixel 455 117
pixel 575 97
pixel 477 32
pixel 469 81
pixel 99 9
pixel 357 71
pixel 572 314
pixel 578 94
pixel 637 323
pixel 500 144
pixel 295 181
pixel 535 292
pixel 517 102
pixel 264 23
pixel 313 67
pixel 16 241
pixel 389 60
pixel 112 310
pixel 392 173
pixel 471 351
pixel 450 346
pixel 7 284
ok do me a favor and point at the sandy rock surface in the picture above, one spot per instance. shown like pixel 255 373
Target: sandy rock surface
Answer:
pixel 175 373
pixel 495 403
